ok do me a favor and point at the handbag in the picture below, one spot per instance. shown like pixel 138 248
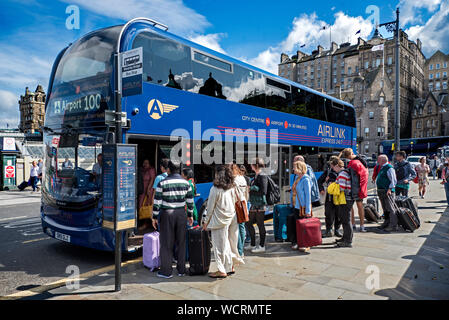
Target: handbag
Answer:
pixel 145 211
pixel 302 212
pixel 241 209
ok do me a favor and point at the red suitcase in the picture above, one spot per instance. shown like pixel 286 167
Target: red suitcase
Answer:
pixel 308 232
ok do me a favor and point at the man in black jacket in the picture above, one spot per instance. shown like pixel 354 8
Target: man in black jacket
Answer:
pixel 330 210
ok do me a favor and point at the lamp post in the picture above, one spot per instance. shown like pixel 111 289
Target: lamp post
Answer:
pixel 393 26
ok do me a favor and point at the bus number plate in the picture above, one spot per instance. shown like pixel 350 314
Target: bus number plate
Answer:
pixel 61 236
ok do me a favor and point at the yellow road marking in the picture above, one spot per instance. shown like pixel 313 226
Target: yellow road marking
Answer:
pixel 62 282
pixel 35 240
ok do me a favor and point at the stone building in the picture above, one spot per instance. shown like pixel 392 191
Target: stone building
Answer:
pixel 32 110
pixel 335 72
pixel 436 72
pixel 430 116
pixel 373 97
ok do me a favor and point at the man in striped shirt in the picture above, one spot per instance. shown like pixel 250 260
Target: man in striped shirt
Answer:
pixel 173 196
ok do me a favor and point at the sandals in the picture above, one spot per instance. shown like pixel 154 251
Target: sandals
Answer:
pixel 217 275
pixel 232 272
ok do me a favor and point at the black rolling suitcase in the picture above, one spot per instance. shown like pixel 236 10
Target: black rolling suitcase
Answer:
pixel 406 202
pixel 23 185
pixel 199 251
pixel 406 218
pixel 371 214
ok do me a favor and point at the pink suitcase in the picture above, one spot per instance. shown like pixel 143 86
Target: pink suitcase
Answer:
pixel 308 232
pixel 151 248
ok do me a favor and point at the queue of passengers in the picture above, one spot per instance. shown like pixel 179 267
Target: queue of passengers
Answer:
pixel 344 184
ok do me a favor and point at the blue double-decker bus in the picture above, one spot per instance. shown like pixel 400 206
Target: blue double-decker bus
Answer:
pixel 217 108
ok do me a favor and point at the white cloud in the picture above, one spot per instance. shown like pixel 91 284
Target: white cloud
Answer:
pixel 173 13
pixel 9 109
pixel 308 30
pixel 411 10
pixel 434 32
pixel 210 41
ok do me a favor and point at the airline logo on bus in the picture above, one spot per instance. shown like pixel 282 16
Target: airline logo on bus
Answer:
pixel 156 109
pixel 331 132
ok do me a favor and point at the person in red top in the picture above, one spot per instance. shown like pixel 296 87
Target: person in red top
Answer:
pixel 359 166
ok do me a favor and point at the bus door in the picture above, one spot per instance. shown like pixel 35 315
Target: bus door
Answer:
pixel 284 170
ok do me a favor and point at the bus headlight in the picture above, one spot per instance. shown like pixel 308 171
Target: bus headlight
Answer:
pixel 135 111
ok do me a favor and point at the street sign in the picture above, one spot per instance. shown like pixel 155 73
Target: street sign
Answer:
pixel 131 65
pixel 119 186
pixel 9 144
pixel 10 172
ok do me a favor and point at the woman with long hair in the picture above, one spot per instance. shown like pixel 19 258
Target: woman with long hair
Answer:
pixel 243 193
pixel 302 196
pixel 219 217
pixel 423 170
pixel 145 190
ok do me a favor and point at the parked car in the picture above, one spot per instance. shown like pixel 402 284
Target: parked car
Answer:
pixel 414 160
pixel 371 163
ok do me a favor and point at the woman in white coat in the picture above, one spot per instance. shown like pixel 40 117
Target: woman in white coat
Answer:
pixel 220 215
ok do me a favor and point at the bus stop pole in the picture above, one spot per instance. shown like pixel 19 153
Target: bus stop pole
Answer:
pixel 118 139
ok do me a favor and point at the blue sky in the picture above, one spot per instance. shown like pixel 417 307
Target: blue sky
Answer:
pixel 33 31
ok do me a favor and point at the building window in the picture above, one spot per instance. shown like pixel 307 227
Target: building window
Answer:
pixel 418 124
pixel 445 65
pixel 371 115
pixel 380 131
pixel 381 101
pixel 366 64
pixel 437 75
pixel 378 61
pixel 390 60
pixel 444 74
pixel 430 86
pixel 437 66
pixel 444 85
pixel 367 147
pixel 428 123
pixel 431 67
pixel 366 132
pixel 437 86
pixel 429 110
pixel 431 76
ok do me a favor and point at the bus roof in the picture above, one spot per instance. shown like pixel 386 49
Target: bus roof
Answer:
pixel 230 59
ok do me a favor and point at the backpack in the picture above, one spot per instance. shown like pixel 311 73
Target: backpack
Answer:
pixel 273 192
pixel 400 170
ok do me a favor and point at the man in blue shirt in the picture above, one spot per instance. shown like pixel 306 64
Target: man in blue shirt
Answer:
pixel 163 166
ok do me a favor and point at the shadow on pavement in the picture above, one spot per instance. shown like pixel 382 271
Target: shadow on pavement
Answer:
pixel 428 275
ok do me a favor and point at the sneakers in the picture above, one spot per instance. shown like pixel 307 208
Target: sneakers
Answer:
pixel 295 247
pixel 327 234
pixel 258 249
pixel 338 234
pixel 344 245
pixel 160 275
pixel 354 227
pixel 249 247
pixel 181 274
pixel 304 249
pixel 362 229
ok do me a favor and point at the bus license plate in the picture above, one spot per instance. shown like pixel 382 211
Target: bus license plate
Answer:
pixel 61 236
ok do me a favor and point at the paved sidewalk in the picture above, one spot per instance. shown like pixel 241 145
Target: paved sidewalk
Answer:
pixel 411 266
